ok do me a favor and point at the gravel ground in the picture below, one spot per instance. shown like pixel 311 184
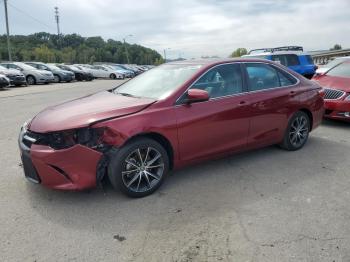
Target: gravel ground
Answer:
pixel 265 205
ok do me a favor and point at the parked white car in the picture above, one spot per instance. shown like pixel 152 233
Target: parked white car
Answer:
pixel 109 72
pixel 88 68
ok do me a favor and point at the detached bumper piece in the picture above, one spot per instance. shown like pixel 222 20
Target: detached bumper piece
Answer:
pixel 72 168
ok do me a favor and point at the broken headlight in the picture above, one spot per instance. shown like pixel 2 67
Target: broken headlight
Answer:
pixel 90 137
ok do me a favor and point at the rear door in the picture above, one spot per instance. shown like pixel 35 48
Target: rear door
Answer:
pixel 272 97
pixel 220 124
pixel 289 60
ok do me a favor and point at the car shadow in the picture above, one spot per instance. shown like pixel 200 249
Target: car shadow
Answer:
pixel 336 123
pixel 209 189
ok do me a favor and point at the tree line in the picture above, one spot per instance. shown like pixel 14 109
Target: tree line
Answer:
pixel 73 48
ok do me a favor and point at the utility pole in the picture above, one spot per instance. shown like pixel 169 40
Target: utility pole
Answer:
pixel 8 32
pixel 57 18
pixel 165 53
pixel 126 49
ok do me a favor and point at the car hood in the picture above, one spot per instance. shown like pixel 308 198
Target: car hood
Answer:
pixel 84 111
pixel 342 83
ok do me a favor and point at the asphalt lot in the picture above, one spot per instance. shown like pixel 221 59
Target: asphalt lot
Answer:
pixel 266 205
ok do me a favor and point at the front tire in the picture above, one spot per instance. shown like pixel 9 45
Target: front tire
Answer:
pixel 57 78
pixel 113 76
pixel 31 80
pixel 138 168
pixel 297 132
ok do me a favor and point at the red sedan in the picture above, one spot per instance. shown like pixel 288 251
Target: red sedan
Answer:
pixel 336 83
pixel 171 116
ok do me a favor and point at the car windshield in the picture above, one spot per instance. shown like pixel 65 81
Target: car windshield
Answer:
pixel 73 67
pixel 333 63
pixel 159 82
pixel 53 67
pixel 341 70
pixel 2 67
pixel 25 66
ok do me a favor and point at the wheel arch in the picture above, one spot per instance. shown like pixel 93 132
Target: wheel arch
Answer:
pixel 161 139
pixel 309 114
pixel 31 75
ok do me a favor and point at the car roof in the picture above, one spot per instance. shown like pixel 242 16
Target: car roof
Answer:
pixel 209 62
pixel 277 53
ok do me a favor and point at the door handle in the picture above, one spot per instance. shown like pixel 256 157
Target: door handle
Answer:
pixel 292 93
pixel 242 103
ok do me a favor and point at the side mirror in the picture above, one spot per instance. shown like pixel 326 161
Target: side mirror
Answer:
pixel 196 95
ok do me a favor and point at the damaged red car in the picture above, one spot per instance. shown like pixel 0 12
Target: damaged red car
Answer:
pixel 336 84
pixel 171 116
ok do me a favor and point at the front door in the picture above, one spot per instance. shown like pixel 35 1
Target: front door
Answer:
pixel 220 124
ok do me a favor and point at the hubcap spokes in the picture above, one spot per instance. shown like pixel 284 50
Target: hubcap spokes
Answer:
pixel 298 131
pixel 142 169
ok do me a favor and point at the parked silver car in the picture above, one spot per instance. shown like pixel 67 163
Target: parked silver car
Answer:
pixel 16 77
pixel 4 81
pixel 33 75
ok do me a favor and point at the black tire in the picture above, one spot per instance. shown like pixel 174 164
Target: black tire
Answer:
pixel 57 79
pixel 113 76
pixel 297 132
pixel 149 149
pixel 31 80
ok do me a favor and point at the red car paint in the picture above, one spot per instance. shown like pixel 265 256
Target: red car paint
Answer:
pixel 335 108
pixel 192 132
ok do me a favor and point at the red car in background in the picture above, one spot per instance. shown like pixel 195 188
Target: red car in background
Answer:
pixel 336 84
pixel 171 116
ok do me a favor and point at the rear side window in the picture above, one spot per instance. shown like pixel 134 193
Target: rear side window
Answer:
pixel 286 60
pixel 309 59
pixel 341 70
pixel 263 76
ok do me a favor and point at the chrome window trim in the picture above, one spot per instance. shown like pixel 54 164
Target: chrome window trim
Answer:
pixel 242 93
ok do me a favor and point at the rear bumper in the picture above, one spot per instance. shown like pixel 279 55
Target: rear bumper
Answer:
pixel 68 169
pixel 337 109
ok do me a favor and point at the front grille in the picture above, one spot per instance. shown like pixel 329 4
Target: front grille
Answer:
pixel 332 94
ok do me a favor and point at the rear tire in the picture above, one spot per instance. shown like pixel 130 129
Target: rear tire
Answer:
pixel 297 132
pixel 138 168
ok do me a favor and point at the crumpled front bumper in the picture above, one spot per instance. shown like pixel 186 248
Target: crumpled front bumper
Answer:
pixel 67 169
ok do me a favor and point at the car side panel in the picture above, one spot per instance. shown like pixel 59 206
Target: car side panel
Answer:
pixel 156 120
pixel 270 110
pixel 212 127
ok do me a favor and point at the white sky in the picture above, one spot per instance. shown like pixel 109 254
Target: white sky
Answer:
pixel 192 28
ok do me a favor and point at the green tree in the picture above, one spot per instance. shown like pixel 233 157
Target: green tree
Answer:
pixel 73 48
pixel 239 52
pixel 44 54
pixel 336 47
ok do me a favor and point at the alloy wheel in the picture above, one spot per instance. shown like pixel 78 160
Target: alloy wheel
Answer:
pixel 30 80
pixel 299 130
pixel 57 79
pixel 143 169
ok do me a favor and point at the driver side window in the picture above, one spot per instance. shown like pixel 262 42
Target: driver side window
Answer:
pixel 222 80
